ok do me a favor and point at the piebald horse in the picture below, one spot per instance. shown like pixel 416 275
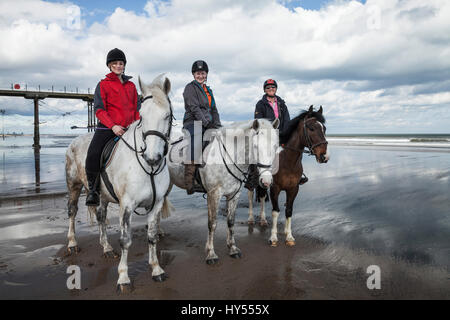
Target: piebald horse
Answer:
pixel 138 173
pixel 226 165
pixel 307 130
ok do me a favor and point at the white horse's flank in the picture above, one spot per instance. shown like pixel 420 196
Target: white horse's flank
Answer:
pixel 219 182
pixel 131 184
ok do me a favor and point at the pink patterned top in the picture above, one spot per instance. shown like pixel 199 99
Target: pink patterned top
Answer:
pixel 274 107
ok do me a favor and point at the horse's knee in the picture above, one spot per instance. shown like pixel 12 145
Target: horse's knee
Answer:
pixel 230 222
pixel 125 242
pixel 101 215
pixel 152 240
pixel 72 210
pixel 211 225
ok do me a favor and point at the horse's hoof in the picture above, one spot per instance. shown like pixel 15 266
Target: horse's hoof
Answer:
pixel 110 255
pixel 212 261
pixel 263 223
pixel 160 278
pixel 124 288
pixel 273 243
pixel 236 255
pixel 290 243
pixel 251 223
pixel 73 250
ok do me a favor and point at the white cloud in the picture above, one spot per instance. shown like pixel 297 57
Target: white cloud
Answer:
pixel 378 66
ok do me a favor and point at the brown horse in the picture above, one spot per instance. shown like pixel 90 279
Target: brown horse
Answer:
pixel 307 130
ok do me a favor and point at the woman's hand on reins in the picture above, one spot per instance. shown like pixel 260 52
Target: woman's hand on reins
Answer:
pixel 118 130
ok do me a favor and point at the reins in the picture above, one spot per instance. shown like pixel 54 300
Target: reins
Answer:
pixel 245 174
pixel 162 164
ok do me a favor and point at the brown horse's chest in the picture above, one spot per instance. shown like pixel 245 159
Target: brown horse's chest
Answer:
pixel 288 177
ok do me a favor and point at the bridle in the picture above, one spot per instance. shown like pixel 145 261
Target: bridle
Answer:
pixel 266 167
pixel 160 166
pixel 309 144
pixel 165 137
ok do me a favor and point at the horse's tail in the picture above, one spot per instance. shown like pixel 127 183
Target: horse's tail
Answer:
pixel 167 208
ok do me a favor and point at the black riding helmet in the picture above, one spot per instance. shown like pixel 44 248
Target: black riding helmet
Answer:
pixel 200 65
pixel 116 55
pixel 270 82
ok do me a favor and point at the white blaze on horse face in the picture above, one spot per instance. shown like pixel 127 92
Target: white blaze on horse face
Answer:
pixel 265 145
pixel 327 154
pixel 158 121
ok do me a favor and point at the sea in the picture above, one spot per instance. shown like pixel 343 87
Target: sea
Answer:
pixel 24 172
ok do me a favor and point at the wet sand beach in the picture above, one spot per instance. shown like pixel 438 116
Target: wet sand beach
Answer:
pixel 384 206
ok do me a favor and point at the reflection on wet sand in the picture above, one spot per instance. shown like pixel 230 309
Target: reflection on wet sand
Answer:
pixel 37 170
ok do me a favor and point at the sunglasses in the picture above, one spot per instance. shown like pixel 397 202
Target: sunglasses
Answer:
pixel 271 87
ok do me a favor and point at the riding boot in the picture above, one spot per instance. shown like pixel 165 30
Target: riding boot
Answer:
pixel 92 198
pixel 189 171
pixel 303 179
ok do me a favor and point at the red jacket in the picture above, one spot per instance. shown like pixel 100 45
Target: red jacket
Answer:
pixel 116 103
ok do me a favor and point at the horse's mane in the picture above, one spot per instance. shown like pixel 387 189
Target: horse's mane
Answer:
pixel 293 124
pixel 246 125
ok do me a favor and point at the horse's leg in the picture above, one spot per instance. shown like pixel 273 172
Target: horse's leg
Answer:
pixel 124 283
pixel 251 220
pixel 72 205
pixel 108 251
pixel 165 211
pixel 235 252
pixel 213 206
pixel 290 197
pixel 274 193
pixel 158 273
pixel 262 215
pixel 161 232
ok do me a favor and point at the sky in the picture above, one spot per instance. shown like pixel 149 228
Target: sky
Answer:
pixel 376 66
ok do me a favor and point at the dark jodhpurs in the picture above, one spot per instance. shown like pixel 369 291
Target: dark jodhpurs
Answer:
pixel 101 136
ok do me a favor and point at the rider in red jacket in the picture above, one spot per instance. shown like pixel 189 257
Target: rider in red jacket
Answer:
pixel 118 101
pixel 116 106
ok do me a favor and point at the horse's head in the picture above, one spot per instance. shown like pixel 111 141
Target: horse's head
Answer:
pixel 314 134
pixel 264 147
pixel 156 119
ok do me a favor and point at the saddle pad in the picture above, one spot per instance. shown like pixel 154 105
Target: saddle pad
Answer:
pixel 178 149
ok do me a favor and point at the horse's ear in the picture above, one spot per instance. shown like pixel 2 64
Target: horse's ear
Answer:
pixel 142 86
pixel 320 110
pixel 276 123
pixel 167 86
pixel 255 125
pixel 310 109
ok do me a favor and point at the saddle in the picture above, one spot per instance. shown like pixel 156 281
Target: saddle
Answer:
pixel 198 185
pixel 105 160
pixel 107 153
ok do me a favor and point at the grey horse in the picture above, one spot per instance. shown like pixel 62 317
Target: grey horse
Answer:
pixel 141 151
pixel 225 170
